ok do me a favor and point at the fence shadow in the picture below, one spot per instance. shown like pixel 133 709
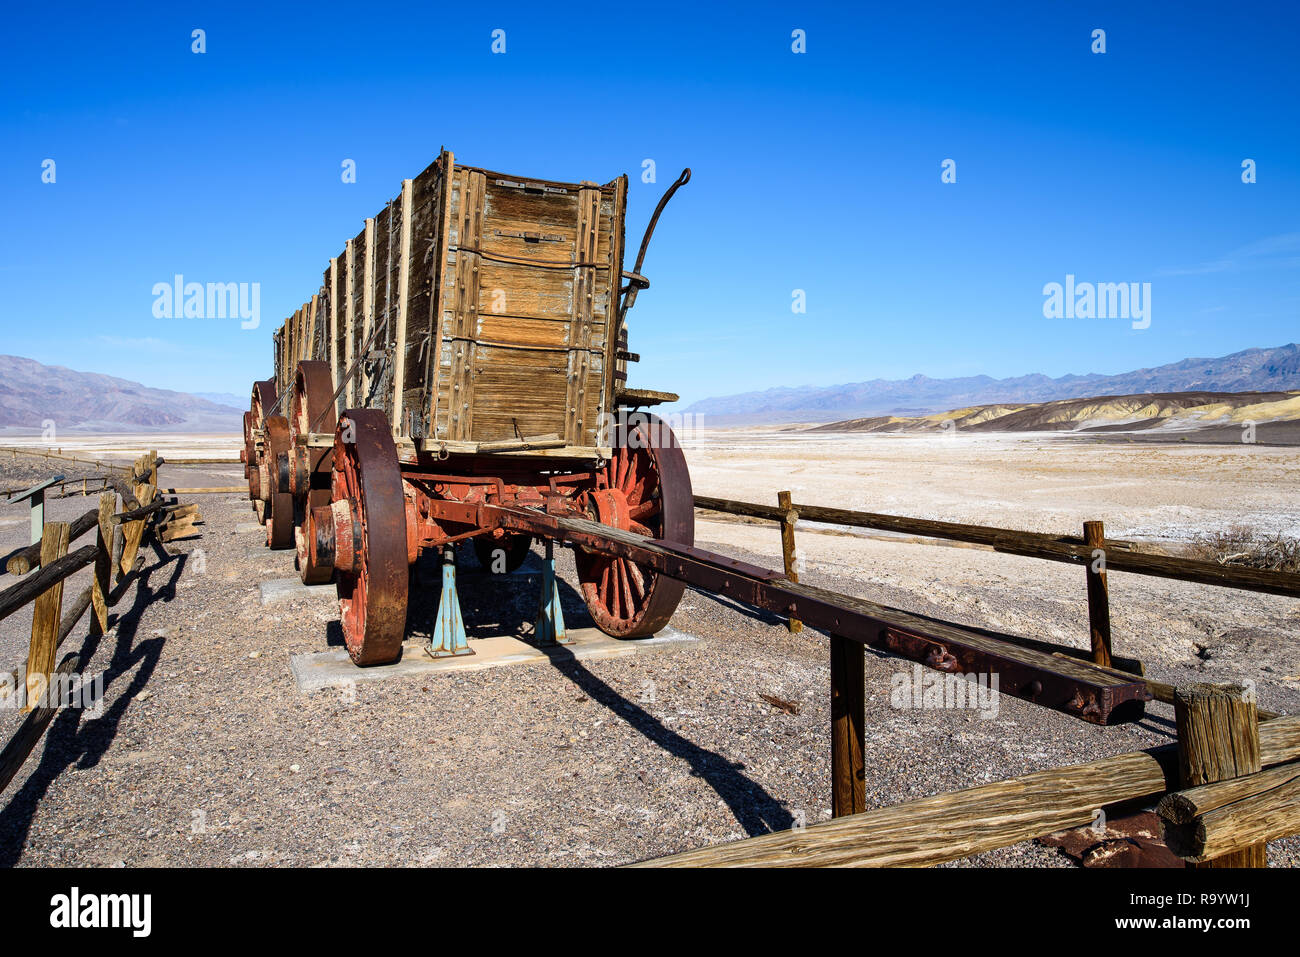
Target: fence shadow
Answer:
pixel 70 740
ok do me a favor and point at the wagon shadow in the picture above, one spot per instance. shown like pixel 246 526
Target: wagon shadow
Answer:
pixel 495 605
pixel 70 741
pixel 756 810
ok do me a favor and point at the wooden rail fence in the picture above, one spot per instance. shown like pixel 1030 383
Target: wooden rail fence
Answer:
pixel 119 537
pixel 1229 784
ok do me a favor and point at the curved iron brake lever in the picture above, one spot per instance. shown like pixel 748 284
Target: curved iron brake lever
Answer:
pixel 636 281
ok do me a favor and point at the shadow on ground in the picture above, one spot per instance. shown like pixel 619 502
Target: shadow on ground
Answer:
pixel 70 739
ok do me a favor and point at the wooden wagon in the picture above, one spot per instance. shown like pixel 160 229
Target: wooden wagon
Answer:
pixel 467 347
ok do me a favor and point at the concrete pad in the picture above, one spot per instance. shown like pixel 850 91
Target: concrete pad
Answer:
pixel 287 589
pixel 333 668
pixel 250 527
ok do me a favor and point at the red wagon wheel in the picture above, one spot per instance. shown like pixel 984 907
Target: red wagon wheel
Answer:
pixel 311 409
pixel 275 476
pixel 246 453
pixel 261 401
pixel 371 562
pixel 645 488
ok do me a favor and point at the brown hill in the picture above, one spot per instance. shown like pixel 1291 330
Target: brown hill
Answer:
pixel 32 394
pixel 1174 412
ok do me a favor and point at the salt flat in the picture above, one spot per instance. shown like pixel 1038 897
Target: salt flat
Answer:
pixel 1042 482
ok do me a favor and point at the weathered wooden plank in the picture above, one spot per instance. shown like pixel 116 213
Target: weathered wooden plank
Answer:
pixel 315 341
pixel 950 826
pixel 367 310
pixel 182 528
pixel 332 307
pixel 1214 821
pixel 45 616
pixel 350 324
pixel 464 321
pixel 215 490
pixel 26 589
pixel 430 229
pixel 1119 555
pixel 403 306
pixel 579 359
pixel 24 560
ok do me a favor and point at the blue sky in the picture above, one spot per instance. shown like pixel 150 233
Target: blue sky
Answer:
pixel 817 171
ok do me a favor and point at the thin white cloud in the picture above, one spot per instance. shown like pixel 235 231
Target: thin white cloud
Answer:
pixel 1272 252
pixel 145 344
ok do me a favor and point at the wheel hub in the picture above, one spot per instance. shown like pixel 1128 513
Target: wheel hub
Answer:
pixel 609 506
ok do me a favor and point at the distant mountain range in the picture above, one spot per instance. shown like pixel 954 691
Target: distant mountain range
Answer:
pixel 224 398
pixel 1253 370
pixel 1270 417
pixel 32 394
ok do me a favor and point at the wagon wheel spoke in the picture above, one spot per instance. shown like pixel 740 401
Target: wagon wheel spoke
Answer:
pixel 644 510
pixel 636 578
pixel 624 583
pixel 648 491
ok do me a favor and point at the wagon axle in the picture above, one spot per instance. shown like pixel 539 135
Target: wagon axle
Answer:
pixel 385 514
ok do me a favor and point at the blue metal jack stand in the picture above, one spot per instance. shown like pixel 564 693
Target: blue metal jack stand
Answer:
pixel 449 633
pixel 550 616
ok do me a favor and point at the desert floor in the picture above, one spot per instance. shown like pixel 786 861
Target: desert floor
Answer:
pixel 208 755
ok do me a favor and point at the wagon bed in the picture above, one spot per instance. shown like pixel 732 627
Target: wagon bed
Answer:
pixel 477 310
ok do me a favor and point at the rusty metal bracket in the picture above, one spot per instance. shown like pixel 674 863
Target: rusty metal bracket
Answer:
pixel 636 280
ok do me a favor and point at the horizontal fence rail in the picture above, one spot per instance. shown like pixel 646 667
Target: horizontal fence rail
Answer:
pixel 950 826
pixel 1120 556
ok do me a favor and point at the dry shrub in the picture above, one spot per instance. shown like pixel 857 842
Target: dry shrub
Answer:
pixel 1240 545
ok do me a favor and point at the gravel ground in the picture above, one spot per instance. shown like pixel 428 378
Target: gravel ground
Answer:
pixel 207 755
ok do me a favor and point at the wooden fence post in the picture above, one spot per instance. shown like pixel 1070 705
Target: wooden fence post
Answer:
pixel 102 585
pixel 787 548
pixel 1218 739
pixel 46 612
pixel 848 733
pixel 1094 536
pixel 133 532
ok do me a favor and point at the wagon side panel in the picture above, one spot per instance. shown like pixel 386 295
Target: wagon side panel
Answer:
pixel 525 309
